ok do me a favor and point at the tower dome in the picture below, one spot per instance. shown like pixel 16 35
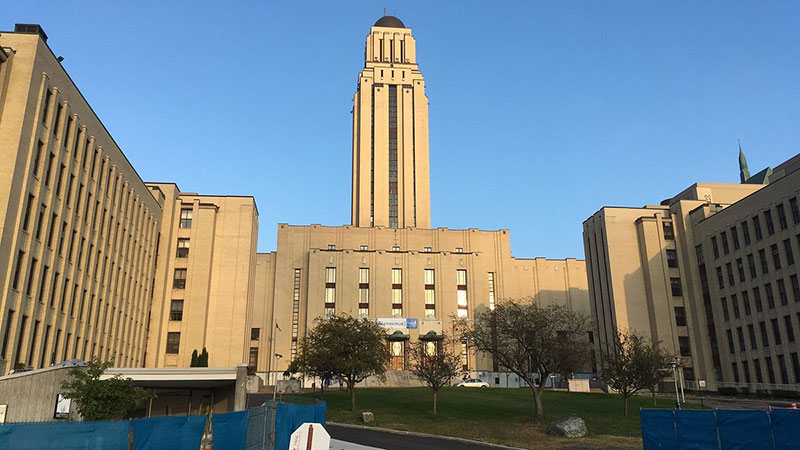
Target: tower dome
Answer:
pixel 389 21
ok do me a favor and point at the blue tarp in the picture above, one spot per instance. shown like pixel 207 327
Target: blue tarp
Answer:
pixel 696 430
pixel 289 418
pixel 65 435
pixel 658 429
pixel 744 430
pixel 173 432
pixel 777 429
pixel 230 430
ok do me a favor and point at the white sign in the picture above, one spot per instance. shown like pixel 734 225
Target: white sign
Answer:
pixel 310 436
pixel 702 383
pixel 398 322
pixel 62 407
pixel 3 409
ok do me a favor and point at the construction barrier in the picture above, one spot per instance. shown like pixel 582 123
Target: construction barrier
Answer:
pixel 776 429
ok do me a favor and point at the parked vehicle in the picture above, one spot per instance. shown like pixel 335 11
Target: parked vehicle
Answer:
pixel 474 382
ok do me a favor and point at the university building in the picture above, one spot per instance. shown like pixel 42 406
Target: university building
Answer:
pixel 94 262
pixel 710 273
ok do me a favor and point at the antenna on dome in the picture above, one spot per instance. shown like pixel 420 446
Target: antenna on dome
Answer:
pixel 384 10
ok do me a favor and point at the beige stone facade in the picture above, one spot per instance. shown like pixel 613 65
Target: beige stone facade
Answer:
pixel 650 270
pixel 78 227
pixel 204 283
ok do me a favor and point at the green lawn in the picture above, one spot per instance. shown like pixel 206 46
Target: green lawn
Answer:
pixel 502 416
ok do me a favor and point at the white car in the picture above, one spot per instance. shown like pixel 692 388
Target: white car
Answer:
pixel 474 382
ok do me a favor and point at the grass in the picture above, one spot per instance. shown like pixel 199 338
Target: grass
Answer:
pixel 500 416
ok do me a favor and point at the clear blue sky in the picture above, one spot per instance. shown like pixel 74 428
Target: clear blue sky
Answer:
pixel 540 112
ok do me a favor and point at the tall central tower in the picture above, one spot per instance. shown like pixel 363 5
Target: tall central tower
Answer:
pixel 391 185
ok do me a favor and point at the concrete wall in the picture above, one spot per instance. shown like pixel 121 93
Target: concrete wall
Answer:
pixel 31 396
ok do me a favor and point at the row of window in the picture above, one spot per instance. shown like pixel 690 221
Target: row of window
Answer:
pixel 770 297
pixel 763 333
pixel 771 375
pixel 395 248
pixel 752 268
pixel 756 221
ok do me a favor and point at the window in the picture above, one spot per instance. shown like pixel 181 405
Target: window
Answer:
pixel 672 258
pixel 27 216
pixel 179 282
pixel 751 330
pixel 729 269
pixel 363 248
pixel 770 369
pixel 461 292
pixel 330 291
pixel 741 338
pixel 757 298
pixel 776 256
pixel 491 291
pixel 787 321
pixel 730 341
pixel 253 361
pixel 735 372
pixel 331 247
pixel 782 292
pixel 725 248
pixel 746 369
pixel 715 246
pixel 255 334
pixel 186 218
pixel 9 318
pixel 46 107
pixel 295 311
pixel 720 279
pixel 751 264
pixel 48 169
pixel 680 316
pixel 173 342
pixel 796 366
pixel 735 237
pixel 427 250
pixel 757 228
pixel 669 232
pixel 795 210
pixel 464 356
pixel 363 291
pixel 183 247
pixel 757 370
pixel 31 270
pixel 176 310
pixel 770 296
pixel 762 255
pixel 746 303
pixel 781 216
pixel 746 233
pixel 725 311
pixel 430 293
pixel 764 336
pixel 395 248
pixel 735 304
pixel 17 269
pixel 795 287
pixel 776 332
pixel 782 367
pixel 459 250
pixel 787 247
pixel 685 348
pixel 51 229
pixel 397 292
pixel 768 221
pixel 675 285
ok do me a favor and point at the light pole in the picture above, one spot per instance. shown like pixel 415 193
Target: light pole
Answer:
pixel 272 351
pixel 278 356
pixel 674 366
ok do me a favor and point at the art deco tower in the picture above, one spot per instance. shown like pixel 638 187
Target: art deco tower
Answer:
pixel 391 186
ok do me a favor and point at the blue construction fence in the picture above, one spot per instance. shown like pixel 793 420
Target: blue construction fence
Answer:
pixel 777 429
pixel 231 431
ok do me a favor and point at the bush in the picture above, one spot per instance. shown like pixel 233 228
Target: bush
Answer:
pixel 779 393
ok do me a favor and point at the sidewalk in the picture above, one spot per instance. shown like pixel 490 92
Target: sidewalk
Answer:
pixel 342 445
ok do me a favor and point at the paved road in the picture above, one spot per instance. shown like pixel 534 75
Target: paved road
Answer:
pixel 398 441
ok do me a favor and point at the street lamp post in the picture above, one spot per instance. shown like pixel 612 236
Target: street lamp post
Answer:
pixel 674 366
pixel 272 352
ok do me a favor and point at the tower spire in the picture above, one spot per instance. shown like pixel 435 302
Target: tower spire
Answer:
pixel 744 172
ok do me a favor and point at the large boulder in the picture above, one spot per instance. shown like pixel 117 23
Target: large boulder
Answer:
pixel 570 426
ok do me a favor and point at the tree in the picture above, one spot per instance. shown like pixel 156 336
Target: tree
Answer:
pixel 194 359
pixel 102 399
pixel 200 360
pixel 435 364
pixel 528 339
pixel 635 363
pixel 346 348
